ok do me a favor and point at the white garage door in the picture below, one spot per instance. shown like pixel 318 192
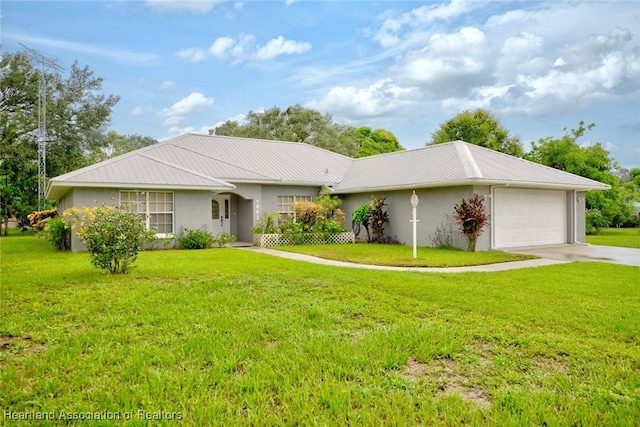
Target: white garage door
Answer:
pixel 529 217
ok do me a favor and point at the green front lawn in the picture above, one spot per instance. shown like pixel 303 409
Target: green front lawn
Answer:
pixel 624 237
pixel 402 256
pixel 235 337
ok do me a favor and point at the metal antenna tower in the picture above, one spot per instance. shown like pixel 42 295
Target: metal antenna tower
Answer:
pixel 44 62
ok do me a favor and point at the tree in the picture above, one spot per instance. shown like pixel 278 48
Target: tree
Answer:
pixel 77 116
pixel 379 141
pixel 299 124
pixel 478 127
pixel 116 145
pixel 591 162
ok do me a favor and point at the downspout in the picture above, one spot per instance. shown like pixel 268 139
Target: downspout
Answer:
pixel 575 217
pixel 491 212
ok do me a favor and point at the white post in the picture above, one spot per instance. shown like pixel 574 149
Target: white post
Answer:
pixel 414 205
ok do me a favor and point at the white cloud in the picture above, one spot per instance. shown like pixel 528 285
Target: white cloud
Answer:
pixel 167 85
pixel 220 47
pixel 450 63
pixel 192 104
pixel 522 55
pixel 531 61
pixel 376 100
pixel 138 111
pixel 193 54
pixel 280 46
pixel 394 30
pixel 112 52
pixel 244 48
pixel 197 6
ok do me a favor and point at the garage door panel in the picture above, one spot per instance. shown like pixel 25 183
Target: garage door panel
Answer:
pixel 524 217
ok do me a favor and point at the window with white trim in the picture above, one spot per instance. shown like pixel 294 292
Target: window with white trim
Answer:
pixel 155 207
pixel 285 206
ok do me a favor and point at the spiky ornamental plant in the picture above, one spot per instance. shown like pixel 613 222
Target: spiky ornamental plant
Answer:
pixel 471 216
pixel 378 217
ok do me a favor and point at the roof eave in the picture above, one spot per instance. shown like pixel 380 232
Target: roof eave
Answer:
pixel 56 190
pixel 457 183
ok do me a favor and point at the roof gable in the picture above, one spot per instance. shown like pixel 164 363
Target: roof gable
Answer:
pixel 454 163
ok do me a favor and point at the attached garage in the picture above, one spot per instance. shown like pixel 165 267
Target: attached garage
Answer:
pixel 529 217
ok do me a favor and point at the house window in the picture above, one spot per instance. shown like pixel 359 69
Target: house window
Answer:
pixel 285 206
pixel 155 207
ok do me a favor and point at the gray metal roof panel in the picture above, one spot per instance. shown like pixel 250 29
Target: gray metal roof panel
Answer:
pixel 278 160
pixel 499 166
pixel 138 168
pixel 453 162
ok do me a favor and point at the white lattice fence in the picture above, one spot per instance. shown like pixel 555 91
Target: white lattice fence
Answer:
pixel 265 240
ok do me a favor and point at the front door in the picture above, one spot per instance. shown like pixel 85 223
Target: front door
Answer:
pixel 220 221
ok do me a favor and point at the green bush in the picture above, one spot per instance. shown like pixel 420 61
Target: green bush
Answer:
pixel 595 221
pixel 360 218
pixel 196 239
pixel 268 223
pixel 113 236
pixel 224 238
pixel 58 233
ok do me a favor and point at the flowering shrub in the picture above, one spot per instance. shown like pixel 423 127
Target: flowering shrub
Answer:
pixel 113 236
pixel 307 213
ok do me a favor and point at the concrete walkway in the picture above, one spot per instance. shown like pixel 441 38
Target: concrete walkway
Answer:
pixel 586 252
pixel 486 268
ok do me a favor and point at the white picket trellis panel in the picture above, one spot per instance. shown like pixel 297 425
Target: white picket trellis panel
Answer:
pixel 266 240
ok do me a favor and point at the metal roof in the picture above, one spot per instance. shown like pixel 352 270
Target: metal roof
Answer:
pixel 215 162
pixel 454 163
pixel 209 162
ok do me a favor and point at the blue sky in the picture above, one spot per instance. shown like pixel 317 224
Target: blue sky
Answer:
pixel 185 66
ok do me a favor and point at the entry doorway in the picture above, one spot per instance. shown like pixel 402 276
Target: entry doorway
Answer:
pixel 220 217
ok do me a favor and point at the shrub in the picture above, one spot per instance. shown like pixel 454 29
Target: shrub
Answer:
pixel 268 223
pixel 195 239
pixel 388 240
pixel 378 217
pixel 595 221
pixel 360 218
pixel 329 205
pixel 340 217
pixel 58 233
pixel 307 214
pixel 442 238
pixel 224 238
pixel 471 216
pixel 113 236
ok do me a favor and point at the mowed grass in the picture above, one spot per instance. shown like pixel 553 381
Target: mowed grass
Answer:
pixel 234 337
pixel 402 256
pixel 624 237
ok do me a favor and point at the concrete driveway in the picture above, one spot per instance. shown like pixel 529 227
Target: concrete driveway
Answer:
pixel 596 253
